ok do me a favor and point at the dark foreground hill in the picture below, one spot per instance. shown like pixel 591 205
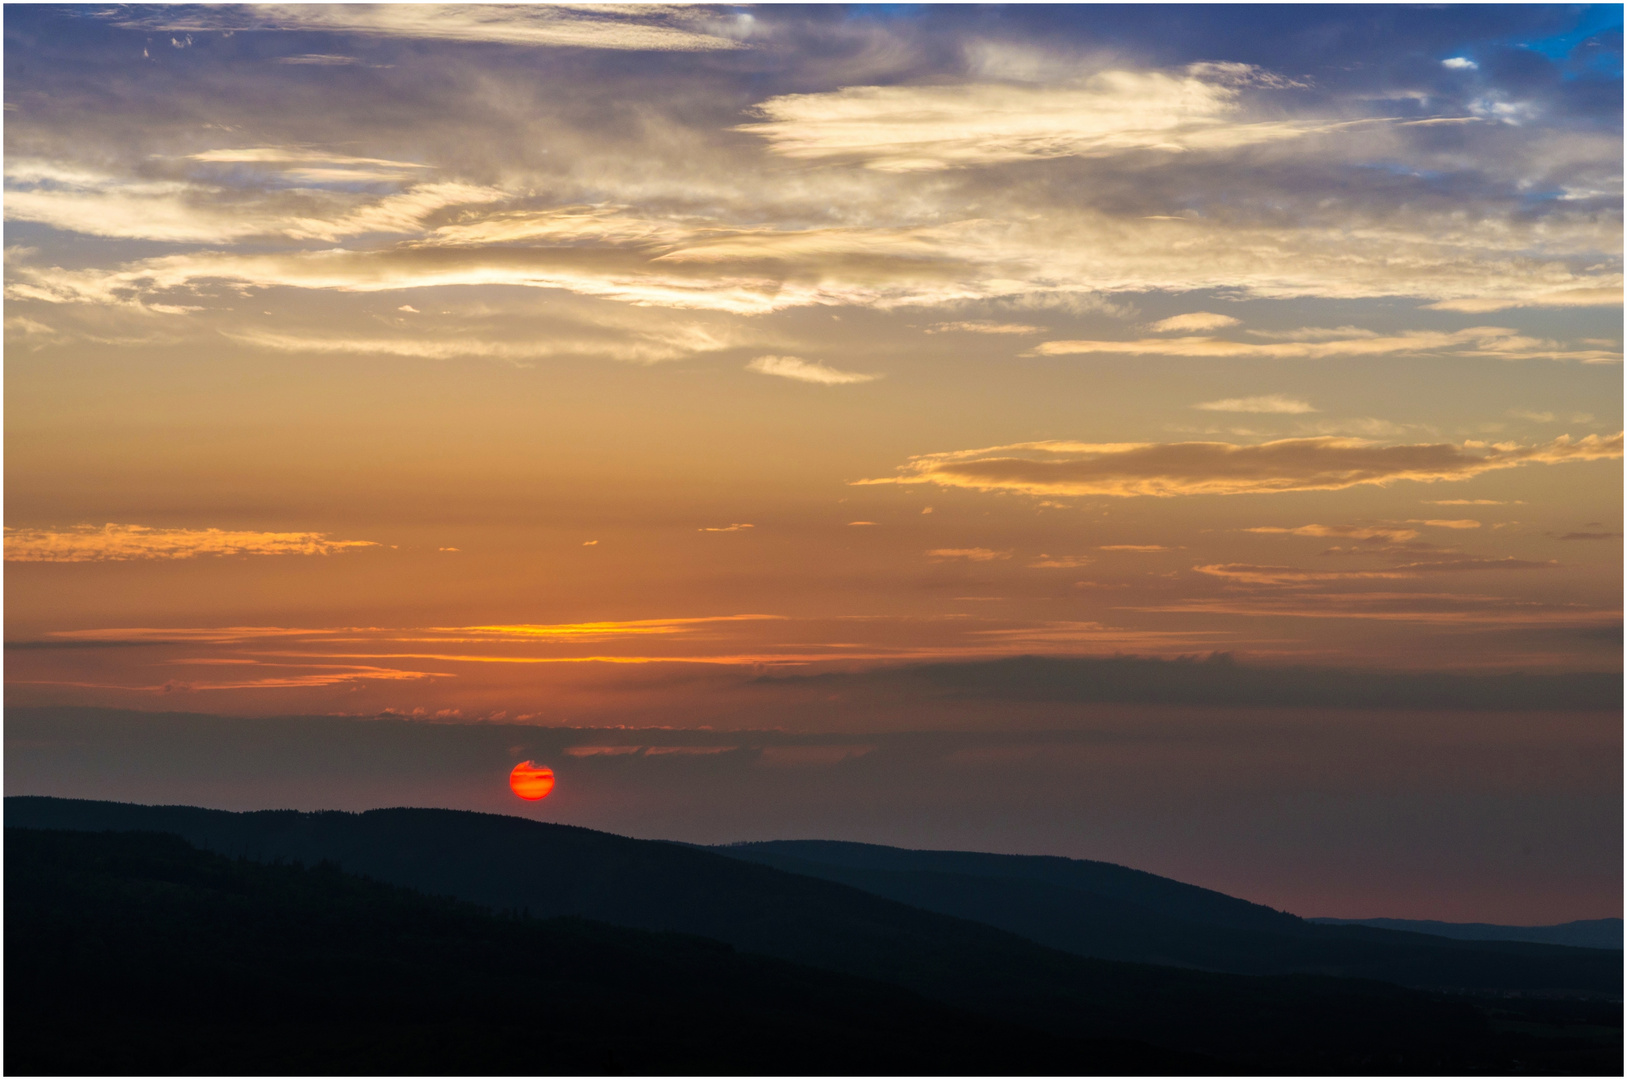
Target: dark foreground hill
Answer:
pixel 1116 913
pixel 137 953
pixel 1295 1024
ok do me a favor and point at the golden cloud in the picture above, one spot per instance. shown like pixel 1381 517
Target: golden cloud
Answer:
pixel 660 28
pixel 596 631
pixel 1194 320
pixel 1488 342
pixel 916 128
pixel 812 371
pixel 976 554
pixel 1265 403
pixel 1351 532
pixel 117 543
pixel 1324 463
pixel 1440 609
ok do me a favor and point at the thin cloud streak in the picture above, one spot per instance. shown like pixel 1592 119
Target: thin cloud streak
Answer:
pixel 810 371
pixel 1213 468
pixel 1485 342
pixel 658 28
pixel 119 543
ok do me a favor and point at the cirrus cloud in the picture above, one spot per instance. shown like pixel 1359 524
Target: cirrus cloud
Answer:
pixel 119 543
pixel 1488 342
pixel 812 371
pixel 1324 463
pixel 1265 403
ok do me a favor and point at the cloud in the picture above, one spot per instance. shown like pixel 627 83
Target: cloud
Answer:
pixel 983 326
pixel 1196 320
pixel 1219 679
pixel 1454 523
pixel 920 128
pixel 318 60
pixel 1266 403
pixel 657 28
pixel 116 543
pixel 77 200
pixel 1477 564
pixel 976 554
pixel 1591 536
pixel 598 631
pixel 1313 333
pixel 1212 468
pixel 1132 547
pixel 1489 342
pixel 673 342
pixel 1060 562
pixel 812 371
pixel 1349 532
pixel 728 528
pixel 1608 296
pixel 1460 63
pixel 1249 574
pixel 473 235
pixel 1447 610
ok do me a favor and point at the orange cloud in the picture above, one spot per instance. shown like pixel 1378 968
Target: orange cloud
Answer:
pixel 1060 562
pixel 1352 532
pixel 1443 609
pixel 1489 342
pixel 594 631
pixel 116 543
pixel 969 554
pixel 1326 463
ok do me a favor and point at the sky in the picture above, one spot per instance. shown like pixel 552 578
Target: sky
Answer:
pixel 772 376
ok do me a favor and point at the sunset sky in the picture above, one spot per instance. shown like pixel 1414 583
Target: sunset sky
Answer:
pixel 638 367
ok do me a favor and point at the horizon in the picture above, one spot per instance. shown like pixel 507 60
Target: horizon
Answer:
pixel 1186 437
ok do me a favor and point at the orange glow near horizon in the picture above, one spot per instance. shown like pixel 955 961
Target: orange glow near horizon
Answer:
pixel 531 781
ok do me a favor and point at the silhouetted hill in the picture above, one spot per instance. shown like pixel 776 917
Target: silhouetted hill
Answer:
pixel 1277 1024
pixel 1582 933
pixel 1149 892
pixel 1103 910
pixel 136 953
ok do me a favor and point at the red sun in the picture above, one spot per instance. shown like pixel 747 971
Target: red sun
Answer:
pixel 531 781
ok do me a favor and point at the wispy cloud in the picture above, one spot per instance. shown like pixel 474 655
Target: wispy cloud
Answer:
pixel 1435 609
pixel 983 326
pixel 1060 562
pixel 1265 403
pixel 1349 532
pixel 976 554
pixel 662 28
pixel 1198 321
pixel 1213 468
pixel 811 371
pixel 1488 342
pixel 675 341
pixel 916 128
pixel 115 543
pixel 596 631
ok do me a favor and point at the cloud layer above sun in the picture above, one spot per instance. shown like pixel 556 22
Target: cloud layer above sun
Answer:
pixel 629 337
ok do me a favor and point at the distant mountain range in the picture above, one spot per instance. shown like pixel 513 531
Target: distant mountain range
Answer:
pixel 983 936
pixel 1583 933
pixel 1113 912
